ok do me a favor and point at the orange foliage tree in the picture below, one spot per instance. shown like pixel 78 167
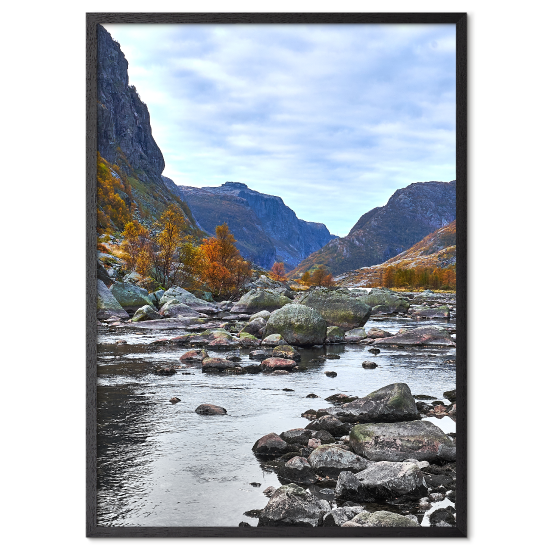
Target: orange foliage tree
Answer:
pixel 168 243
pixel 419 278
pixel 137 248
pixel 306 278
pixel 277 272
pixel 223 270
pixel 321 277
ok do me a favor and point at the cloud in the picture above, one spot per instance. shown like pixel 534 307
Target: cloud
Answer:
pixel 332 118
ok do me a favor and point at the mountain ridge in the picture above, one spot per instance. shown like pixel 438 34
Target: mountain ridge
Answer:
pixel 410 214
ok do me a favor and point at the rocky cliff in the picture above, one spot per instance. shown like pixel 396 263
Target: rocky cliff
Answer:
pixel 265 228
pixel 411 214
pixel 125 139
pixel 437 250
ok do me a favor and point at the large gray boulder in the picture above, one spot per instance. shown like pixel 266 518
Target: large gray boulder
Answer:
pixel 338 307
pixel 421 336
pixel 107 304
pixel 330 460
pixel 255 327
pixel 384 301
pixel 399 441
pixel 330 424
pixel 380 519
pixel 298 470
pixel 292 506
pixel 382 481
pixel 130 297
pixel 145 313
pixel 174 308
pixel 260 299
pixel 392 403
pixel 441 312
pixel 270 445
pixel 338 516
pixel 185 297
pixel 298 325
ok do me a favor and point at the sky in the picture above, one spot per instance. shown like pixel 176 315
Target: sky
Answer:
pixel 331 118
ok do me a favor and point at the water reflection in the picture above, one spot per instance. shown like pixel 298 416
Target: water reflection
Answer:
pixel 163 465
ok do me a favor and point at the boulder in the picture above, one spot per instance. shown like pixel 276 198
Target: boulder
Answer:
pixel 421 336
pixel 184 297
pixel 323 436
pixel 292 506
pixel 145 313
pixel 298 470
pixel 355 335
pixel 270 445
pixel 393 403
pixel 102 275
pixel 381 519
pixel 248 341
pixel 298 325
pixel 441 312
pixel 173 308
pixel 335 335
pixel 375 333
pixel 338 516
pixel 260 354
pixel 260 299
pixel 194 356
pixel 252 369
pixel 208 409
pixel 273 340
pixel 255 327
pixel 340 398
pixel 384 301
pixel 369 365
pixel 286 352
pixel 330 424
pixel 398 441
pixel 263 314
pixel 382 481
pixel 107 304
pixel 130 297
pixel 330 460
pixel 216 364
pixel 450 395
pixel 297 436
pixel 337 307
pixel 442 515
pixel 155 297
pixel 277 363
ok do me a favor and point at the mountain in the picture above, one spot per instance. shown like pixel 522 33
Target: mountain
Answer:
pixel 130 163
pixel 265 228
pixel 437 250
pixel 411 213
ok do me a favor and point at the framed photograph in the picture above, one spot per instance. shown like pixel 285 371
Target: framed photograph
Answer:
pixel 276 260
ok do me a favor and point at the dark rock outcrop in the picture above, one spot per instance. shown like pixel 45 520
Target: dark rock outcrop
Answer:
pixel 411 214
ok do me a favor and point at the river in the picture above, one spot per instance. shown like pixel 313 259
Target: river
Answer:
pixel 163 465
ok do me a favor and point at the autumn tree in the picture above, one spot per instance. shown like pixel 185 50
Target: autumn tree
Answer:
pixel 306 278
pixel 224 270
pixel 321 277
pixel 168 243
pixel 137 248
pixel 277 272
pixel 388 279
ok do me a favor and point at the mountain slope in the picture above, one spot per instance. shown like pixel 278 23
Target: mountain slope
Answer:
pixel 265 228
pixel 437 250
pixel 131 163
pixel 410 214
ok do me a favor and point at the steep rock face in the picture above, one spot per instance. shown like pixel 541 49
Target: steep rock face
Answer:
pixel 125 141
pixel 124 130
pixel 265 228
pixel 411 213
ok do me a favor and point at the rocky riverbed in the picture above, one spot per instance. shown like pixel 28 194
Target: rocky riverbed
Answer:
pixel 183 399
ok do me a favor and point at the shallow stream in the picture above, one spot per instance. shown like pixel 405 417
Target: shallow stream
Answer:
pixel 164 465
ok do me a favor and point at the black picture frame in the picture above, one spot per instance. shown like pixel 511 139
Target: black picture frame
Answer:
pixel 92 20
